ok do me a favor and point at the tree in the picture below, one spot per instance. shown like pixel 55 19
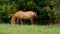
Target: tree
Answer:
pixel 9 7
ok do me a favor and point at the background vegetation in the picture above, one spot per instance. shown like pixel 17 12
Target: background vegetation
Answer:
pixel 47 10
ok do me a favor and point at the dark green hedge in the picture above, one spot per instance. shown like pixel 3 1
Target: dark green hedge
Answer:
pixel 8 7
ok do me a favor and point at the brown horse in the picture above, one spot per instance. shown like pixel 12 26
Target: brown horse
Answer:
pixel 23 15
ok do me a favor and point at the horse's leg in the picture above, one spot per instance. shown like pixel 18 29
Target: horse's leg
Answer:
pixel 17 20
pixel 31 21
pixel 21 22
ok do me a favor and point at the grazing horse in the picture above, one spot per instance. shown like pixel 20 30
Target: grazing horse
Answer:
pixel 23 15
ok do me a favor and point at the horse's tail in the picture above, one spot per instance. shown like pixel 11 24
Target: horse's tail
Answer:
pixel 35 15
pixel 35 18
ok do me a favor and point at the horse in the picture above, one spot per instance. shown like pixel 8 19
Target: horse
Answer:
pixel 31 15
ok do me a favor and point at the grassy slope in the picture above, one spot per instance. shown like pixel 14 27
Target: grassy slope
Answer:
pixel 28 29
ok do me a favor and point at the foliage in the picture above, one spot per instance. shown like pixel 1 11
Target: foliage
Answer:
pixel 8 7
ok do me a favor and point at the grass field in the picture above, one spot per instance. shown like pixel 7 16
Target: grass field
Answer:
pixel 29 29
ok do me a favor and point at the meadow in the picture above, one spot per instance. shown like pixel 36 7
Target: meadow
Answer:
pixel 29 29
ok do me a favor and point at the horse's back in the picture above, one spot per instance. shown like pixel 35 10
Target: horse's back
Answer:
pixel 22 14
pixel 32 13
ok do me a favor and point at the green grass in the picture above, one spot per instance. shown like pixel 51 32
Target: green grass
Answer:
pixel 29 29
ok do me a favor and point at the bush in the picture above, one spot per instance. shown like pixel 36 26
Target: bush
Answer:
pixel 7 8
